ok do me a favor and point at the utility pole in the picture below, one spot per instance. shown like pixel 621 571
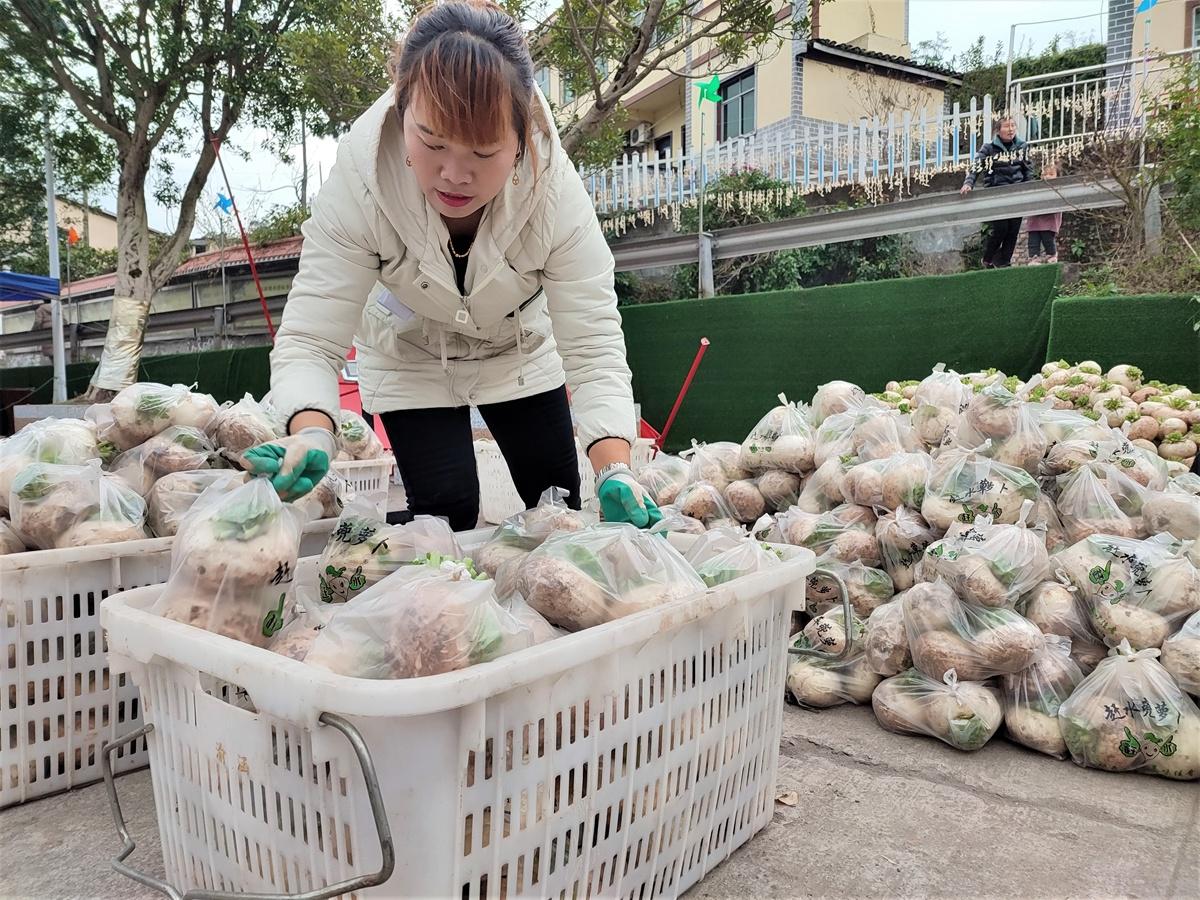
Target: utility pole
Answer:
pixel 87 218
pixel 711 91
pixel 56 317
pixel 303 162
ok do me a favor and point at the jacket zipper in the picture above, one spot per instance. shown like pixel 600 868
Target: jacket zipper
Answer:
pixel 524 305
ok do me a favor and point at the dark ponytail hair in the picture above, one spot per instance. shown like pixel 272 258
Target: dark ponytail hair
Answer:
pixel 470 61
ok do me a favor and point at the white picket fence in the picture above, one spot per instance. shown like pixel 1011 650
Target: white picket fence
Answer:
pixel 1057 113
pixel 903 147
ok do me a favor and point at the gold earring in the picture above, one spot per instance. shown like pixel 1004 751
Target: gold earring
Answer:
pixel 516 179
pixel 408 161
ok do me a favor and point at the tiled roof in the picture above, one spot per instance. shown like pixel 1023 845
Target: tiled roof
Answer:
pixel 885 57
pixel 91 285
pixel 235 255
pixel 288 248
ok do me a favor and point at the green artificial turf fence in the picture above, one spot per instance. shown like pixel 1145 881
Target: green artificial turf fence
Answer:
pixel 226 374
pixel 793 341
pixel 1155 332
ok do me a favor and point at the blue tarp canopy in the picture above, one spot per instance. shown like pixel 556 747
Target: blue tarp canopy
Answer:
pixel 18 288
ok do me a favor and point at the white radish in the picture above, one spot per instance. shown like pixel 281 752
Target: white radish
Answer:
pixel 1171 425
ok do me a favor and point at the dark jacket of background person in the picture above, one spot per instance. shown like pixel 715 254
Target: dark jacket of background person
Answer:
pixel 1001 163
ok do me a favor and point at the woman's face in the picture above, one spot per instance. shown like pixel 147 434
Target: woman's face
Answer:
pixel 1008 130
pixel 458 180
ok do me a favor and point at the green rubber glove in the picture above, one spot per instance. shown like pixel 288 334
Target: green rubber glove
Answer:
pixel 294 464
pixel 622 499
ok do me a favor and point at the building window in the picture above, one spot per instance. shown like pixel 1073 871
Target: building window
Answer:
pixel 1196 27
pixel 662 150
pixel 736 112
pixel 542 77
pixel 568 92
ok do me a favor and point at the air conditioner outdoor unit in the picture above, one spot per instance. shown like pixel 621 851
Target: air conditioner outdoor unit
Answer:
pixel 640 133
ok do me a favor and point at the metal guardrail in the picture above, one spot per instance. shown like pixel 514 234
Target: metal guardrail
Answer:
pixel 1074 193
pixel 202 317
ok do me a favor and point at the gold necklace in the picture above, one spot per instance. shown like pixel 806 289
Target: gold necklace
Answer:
pixel 455 253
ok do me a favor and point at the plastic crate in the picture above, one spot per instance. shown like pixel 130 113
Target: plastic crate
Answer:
pixel 369 478
pixel 627 759
pixel 58 700
pixel 498 497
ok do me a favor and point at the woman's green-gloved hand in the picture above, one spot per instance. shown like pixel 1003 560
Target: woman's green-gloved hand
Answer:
pixel 622 499
pixel 294 464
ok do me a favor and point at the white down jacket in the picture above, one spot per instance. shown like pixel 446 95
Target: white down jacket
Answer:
pixel 375 270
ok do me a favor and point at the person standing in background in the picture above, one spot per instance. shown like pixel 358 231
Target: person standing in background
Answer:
pixel 1003 160
pixel 41 315
pixel 1043 228
pixel 42 321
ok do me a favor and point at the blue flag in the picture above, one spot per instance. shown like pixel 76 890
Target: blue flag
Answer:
pixel 224 204
pixel 1144 6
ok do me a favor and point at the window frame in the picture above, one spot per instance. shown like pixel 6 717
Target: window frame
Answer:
pixel 751 75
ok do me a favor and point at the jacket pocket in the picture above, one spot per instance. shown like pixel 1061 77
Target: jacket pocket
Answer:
pixel 534 316
pixel 395 330
pixel 501 339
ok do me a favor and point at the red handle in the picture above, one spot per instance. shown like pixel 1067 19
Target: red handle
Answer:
pixel 687 383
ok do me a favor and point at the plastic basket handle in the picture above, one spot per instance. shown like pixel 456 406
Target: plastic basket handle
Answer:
pixel 848 618
pixel 374 794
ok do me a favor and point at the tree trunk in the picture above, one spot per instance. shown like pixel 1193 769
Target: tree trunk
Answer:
pixel 134 290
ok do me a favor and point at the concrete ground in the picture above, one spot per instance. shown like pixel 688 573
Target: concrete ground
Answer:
pixel 875 815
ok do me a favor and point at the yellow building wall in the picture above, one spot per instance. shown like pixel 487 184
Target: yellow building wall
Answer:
pixel 840 94
pixel 672 123
pixel 102 230
pixel 1167 28
pixel 773 87
pixel 845 20
pixel 1167 23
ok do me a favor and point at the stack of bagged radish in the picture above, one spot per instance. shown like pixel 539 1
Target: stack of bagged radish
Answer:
pixel 405 601
pixel 130 468
pixel 1012 559
pixel 1162 418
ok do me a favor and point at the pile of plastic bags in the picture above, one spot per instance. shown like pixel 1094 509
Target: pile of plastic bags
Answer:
pixel 165 443
pixel 999 540
pixel 405 601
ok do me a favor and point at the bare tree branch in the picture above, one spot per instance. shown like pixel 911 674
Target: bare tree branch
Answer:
pixel 105 34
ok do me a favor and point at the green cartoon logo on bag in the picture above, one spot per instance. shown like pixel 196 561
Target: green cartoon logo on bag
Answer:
pixel 1165 748
pixel 1131 746
pixel 1113 588
pixel 337 588
pixel 273 620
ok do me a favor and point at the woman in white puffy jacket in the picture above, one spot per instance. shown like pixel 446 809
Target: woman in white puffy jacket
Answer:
pixel 456 246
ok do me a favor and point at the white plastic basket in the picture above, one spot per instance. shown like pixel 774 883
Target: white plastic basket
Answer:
pixel 369 478
pixel 498 497
pixel 628 759
pixel 58 701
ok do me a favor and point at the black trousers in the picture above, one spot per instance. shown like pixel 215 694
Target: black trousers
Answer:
pixel 436 456
pixel 1042 242
pixel 1001 242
